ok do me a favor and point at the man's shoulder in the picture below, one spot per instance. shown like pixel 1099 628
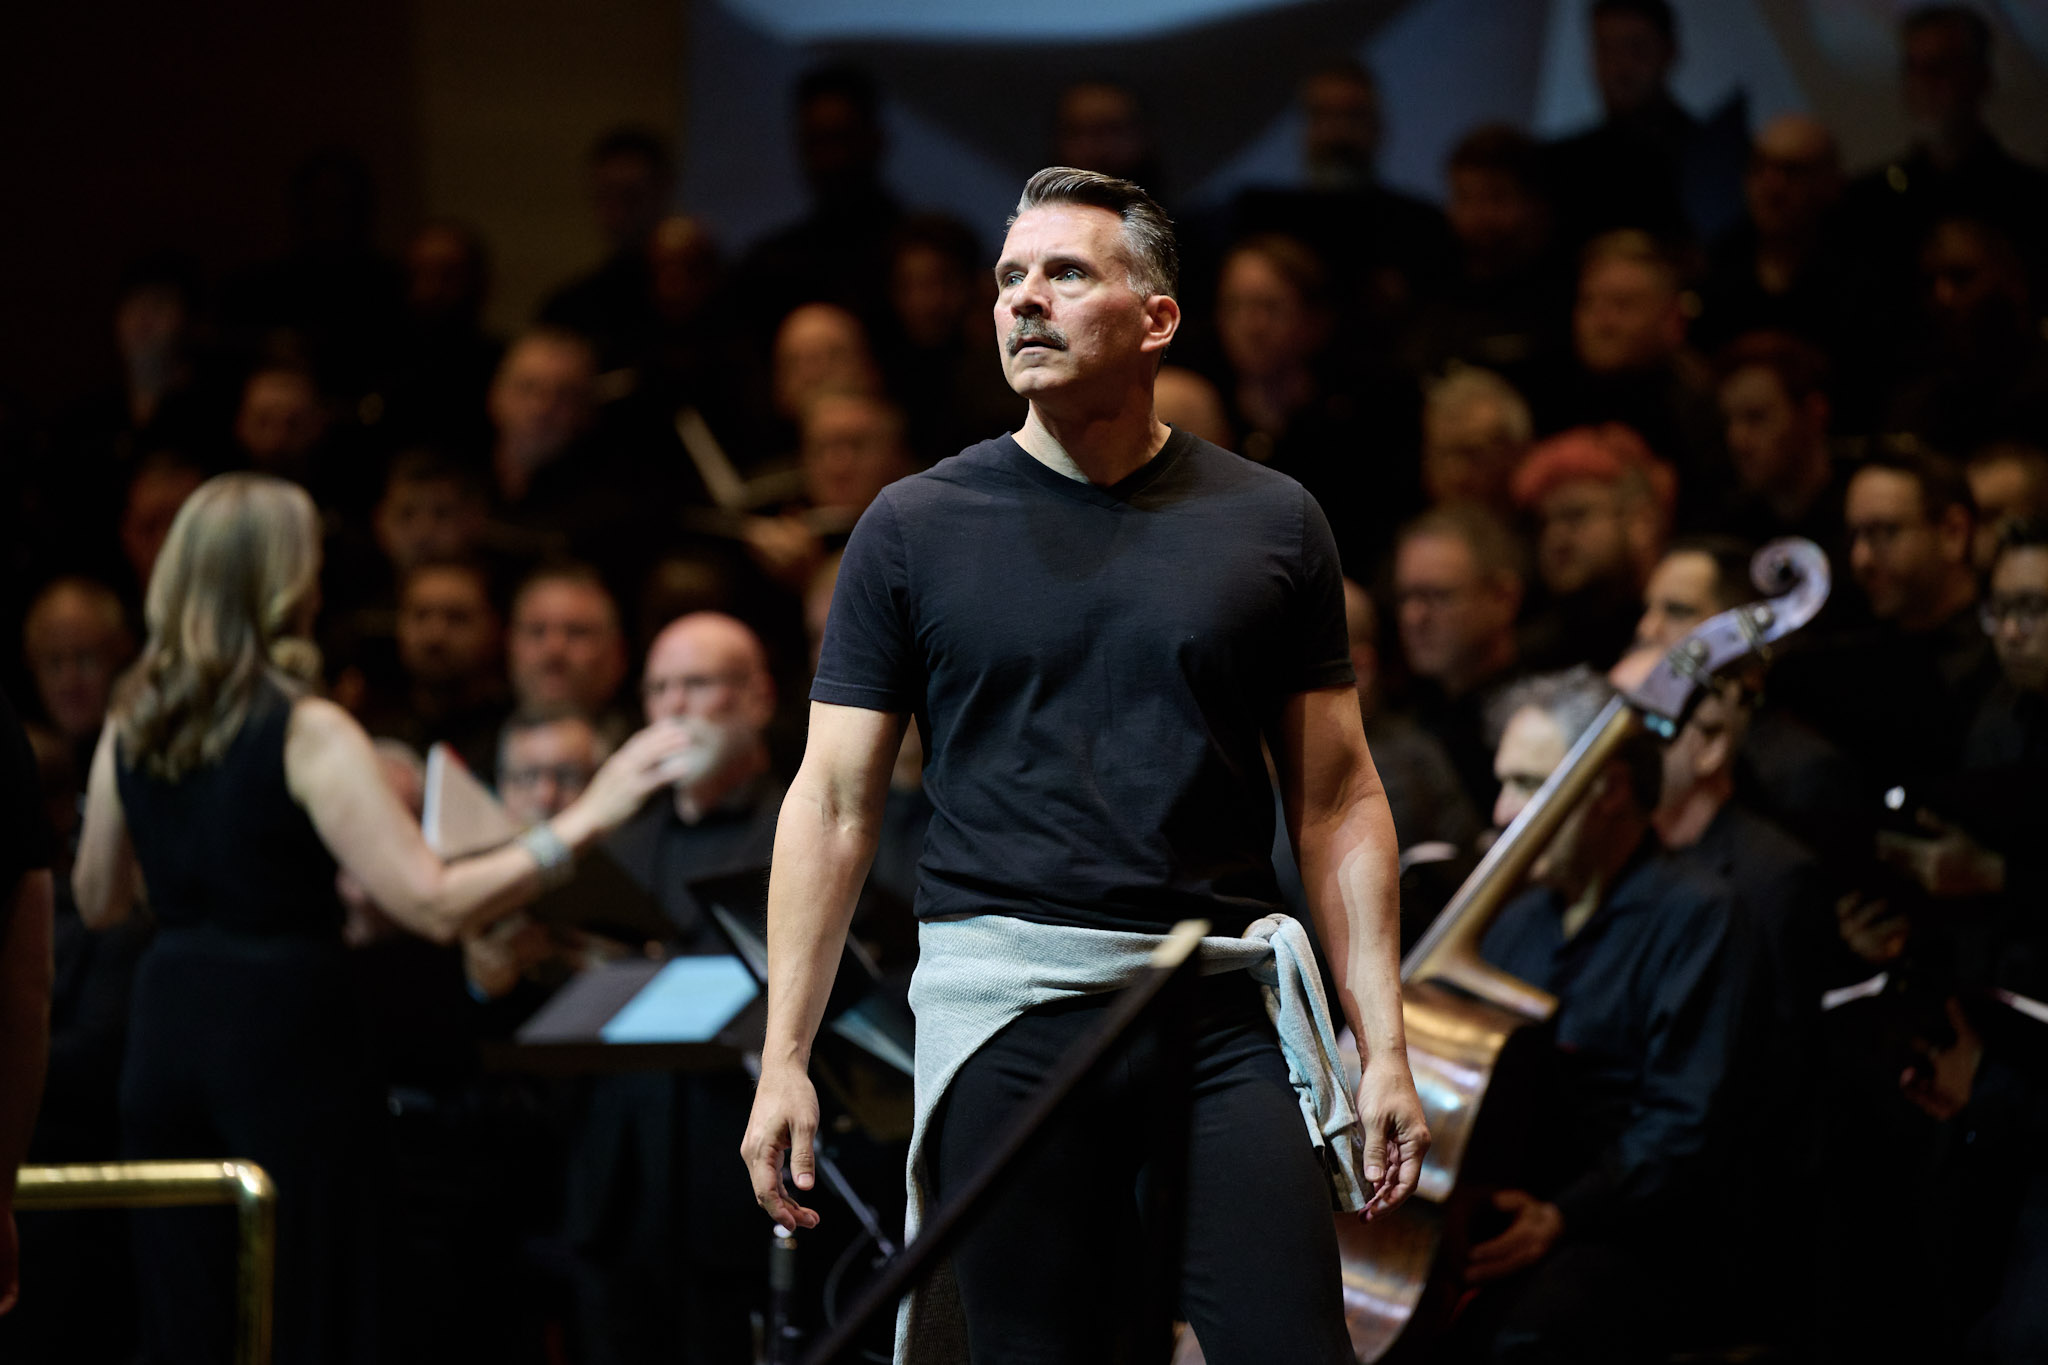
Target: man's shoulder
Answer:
pixel 1218 469
pixel 1685 899
pixel 1758 839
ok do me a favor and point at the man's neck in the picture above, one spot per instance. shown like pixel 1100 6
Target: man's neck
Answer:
pixel 440 700
pixel 1958 590
pixel 1791 502
pixel 1270 400
pixel 1498 659
pixel 708 793
pixel 1684 823
pixel 1099 446
pixel 1584 893
pixel 1949 148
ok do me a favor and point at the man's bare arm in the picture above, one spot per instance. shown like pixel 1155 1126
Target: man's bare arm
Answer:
pixel 1343 837
pixel 824 841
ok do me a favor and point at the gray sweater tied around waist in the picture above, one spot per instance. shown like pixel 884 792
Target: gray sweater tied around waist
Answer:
pixel 975 975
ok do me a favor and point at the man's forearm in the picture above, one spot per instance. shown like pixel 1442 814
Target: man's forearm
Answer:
pixel 822 852
pixel 1351 873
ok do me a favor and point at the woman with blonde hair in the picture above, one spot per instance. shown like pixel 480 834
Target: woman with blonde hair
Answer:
pixel 231 791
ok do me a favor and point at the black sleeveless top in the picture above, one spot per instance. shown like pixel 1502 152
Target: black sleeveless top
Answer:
pixel 225 845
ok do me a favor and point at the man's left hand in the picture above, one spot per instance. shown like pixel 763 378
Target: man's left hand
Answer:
pixel 1396 1133
pixel 1528 1239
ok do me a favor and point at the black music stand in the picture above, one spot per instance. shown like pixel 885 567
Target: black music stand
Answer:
pixel 860 1010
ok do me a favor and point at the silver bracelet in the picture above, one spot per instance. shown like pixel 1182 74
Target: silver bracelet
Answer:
pixel 557 861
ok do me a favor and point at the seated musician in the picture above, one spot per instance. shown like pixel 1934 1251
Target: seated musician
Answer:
pixel 1643 956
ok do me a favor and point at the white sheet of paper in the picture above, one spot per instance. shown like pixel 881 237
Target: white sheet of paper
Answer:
pixel 460 816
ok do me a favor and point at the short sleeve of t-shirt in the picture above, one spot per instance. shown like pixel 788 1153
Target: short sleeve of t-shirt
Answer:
pixel 1325 641
pixel 869 657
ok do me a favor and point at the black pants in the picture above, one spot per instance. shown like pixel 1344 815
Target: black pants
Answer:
pixel 1055 1272
pixel 244 1047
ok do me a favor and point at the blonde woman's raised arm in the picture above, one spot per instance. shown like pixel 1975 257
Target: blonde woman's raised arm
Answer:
pixel 332 772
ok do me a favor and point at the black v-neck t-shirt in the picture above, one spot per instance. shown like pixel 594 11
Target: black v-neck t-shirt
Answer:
pixel 1093 669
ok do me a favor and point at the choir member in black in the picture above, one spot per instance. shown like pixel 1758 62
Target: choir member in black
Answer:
pixel 26 898
pixel 1644 957
pixel 231 792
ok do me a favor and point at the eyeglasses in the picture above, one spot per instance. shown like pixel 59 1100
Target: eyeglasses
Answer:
pixel 691 685
pixel 572 776
pixel 2026 610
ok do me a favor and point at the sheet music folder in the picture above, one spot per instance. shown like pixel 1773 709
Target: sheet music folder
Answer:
pixel 461 817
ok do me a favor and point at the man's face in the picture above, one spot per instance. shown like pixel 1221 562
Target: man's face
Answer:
pixel 1530 749
pixel 1066 316
pixel 565 647
pixel 149 325
pixel 447 631
pixel 1098 128
pixel 1941 81
pixel 2018 610
pixel 1766 436
pixel 626 194
pixel 420 520
pixel 73 650
pixel 1794 177
pixel 1899 556
pixel 1343 125
pixel 1451 617
pixel 706 673
pixel 1703 746
pixel 1679 595
pixel 819 349
pixel 543 768
pixel 1970 292
pixel 2004 489
pixel 1467 453
pixel 1631 60
pixel 543 398
pixel 852 450
pixel 1627 317
pixel 840 146
pixel 1583 535
pixel 682 263
pixel 444 279
pixel 153 502
pixel 929 294
pixel 1265 326
pixel 280 418
pixel 1491 215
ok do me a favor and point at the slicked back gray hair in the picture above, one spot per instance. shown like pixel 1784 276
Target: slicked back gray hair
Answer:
pixel 1148 232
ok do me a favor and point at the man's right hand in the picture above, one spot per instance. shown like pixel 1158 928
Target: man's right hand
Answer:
pixel 784 1124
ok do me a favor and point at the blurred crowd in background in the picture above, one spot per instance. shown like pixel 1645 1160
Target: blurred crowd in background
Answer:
pixel 1549 424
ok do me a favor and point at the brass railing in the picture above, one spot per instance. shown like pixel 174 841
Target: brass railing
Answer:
pixel 174 1184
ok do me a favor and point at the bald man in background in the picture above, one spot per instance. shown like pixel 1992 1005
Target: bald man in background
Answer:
pixel 668 1257
pixel 709 673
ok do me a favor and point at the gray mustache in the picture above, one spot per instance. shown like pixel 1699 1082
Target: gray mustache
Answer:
pixel 1025 330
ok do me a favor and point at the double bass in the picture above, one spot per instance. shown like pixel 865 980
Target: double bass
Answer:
pixel 1474 1032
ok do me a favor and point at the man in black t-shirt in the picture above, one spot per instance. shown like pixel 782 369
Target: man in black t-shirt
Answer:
pixel 1096 622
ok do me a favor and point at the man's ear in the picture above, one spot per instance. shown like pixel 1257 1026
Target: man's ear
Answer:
pixel 1162 320
pixel 1954 529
